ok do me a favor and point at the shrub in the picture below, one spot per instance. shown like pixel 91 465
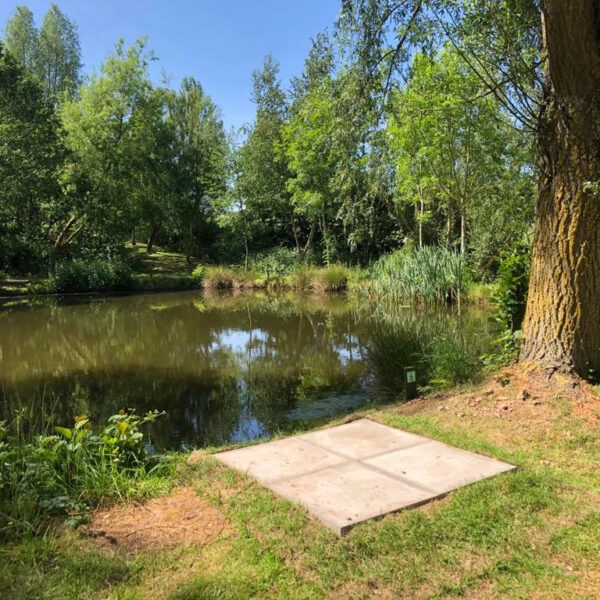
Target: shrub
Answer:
pixel 333 278
pixel 198 274
pixel 277 262
pixel 432 274
pixel 92 275
pixel 62 473
pixel 510 301
pixel 513 284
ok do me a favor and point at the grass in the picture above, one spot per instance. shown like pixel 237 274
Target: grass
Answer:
pixel 532 533
pixel 432 274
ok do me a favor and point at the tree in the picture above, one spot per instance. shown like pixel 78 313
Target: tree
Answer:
pixel 458 155
pixel 58 55
pixel 31 155
pixel 52 54
pixel 496 39
pixel 562 320
pixel 21 37
pixel 312 161
pixel 103 129
pixel 200 148
pixel 262 171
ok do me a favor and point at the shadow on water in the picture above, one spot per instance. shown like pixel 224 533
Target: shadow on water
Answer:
pixel 224 367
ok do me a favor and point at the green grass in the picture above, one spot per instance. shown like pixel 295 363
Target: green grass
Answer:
pixel 534 532
pixel 159 262
pixel 432 274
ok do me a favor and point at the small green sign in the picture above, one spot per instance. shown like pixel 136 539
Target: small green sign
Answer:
pixel 411 376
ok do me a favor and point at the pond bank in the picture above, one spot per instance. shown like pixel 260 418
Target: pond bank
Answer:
pixel 533 533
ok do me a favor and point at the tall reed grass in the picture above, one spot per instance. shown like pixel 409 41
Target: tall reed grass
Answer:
pixel 445 348
pixel 432 274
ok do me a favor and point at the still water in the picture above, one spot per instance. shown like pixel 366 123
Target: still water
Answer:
pixel 224 367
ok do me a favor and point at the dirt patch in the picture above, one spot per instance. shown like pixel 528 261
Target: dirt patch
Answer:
pixel 160 523
pixel 521 396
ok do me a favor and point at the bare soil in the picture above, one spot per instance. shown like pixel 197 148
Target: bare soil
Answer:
pixel 159 523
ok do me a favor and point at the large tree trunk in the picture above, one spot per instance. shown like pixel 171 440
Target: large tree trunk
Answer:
pixel 562 320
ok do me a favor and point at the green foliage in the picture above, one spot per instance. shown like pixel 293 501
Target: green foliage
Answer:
pixel 65 472
pixel 58 55
pixel 333 168
pixel 276 262
pixel 333 278
pixel 513 283
pixel 461 165
pixel 510 301
pixel 443 351
pixel 198 274
pixel 31 154
pixel 52 54
pixel 430 275
pixel 94 275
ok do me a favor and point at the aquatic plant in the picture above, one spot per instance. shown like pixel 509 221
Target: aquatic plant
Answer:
pixel 432 274
pixel 444 349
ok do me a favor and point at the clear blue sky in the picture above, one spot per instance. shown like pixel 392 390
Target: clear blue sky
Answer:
pixel 218 42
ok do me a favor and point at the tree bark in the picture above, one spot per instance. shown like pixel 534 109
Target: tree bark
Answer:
pixel 463 228
pixel 152 238
pixel 311 237
pixel 562 321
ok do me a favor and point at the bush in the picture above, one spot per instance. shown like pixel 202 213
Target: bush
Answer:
pixel 61 474
pixel 333 278
pixel 510 301
pixel 92 275
pixel 432 274
pixel 277 262
pixel 513 284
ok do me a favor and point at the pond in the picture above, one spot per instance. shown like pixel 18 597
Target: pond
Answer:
pixel 225 368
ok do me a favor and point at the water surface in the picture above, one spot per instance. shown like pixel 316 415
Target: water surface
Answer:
pixel 224 367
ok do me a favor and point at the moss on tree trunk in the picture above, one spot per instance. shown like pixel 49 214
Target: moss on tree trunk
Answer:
pixel 562 321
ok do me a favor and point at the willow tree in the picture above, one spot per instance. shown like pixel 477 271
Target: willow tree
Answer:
pixel 562 322
pixel 497 39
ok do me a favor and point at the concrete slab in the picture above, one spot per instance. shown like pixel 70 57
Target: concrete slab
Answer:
pixel 350 493
pixel 362 439
pixel 279 459
pixel 437 466
pixel 361 470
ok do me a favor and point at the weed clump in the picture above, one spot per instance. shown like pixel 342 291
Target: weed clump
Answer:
pixel 64 473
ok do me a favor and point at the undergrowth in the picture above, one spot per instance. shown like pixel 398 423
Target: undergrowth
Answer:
pixel 65 473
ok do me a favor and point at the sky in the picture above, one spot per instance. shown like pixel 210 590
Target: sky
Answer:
pixel 220 43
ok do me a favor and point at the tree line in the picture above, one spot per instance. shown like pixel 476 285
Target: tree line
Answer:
pixel 330 167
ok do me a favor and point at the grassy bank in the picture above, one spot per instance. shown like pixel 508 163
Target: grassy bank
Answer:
pixel 532 533
pixel 429 276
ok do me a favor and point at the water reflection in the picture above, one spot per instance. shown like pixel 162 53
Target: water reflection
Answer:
pixel 224 368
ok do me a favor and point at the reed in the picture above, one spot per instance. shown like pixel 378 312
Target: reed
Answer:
pixel 430 275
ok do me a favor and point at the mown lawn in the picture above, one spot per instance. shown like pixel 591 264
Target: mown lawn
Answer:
pixel 532 533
